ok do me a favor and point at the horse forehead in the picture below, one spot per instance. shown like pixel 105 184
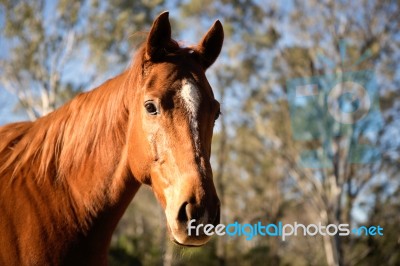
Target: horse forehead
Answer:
pixel 190 95
pixel 186 81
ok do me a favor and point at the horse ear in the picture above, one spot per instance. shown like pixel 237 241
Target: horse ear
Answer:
pixel 159 37
pixel 211 44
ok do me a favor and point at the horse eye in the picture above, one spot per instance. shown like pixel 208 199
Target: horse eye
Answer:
pixel 150 108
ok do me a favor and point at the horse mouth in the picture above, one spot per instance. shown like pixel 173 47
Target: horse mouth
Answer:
pixel 186 245
pixel 186 240
pixel 191 242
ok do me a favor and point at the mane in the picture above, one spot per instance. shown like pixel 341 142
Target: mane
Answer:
pixel 58 144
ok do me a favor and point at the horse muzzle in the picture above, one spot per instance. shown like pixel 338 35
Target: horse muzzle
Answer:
pixel 194 223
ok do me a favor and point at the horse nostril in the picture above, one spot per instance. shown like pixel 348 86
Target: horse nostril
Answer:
pixel 189 211
pixel 182 215
pixel 192 212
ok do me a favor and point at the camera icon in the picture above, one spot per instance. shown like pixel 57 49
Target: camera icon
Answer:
pixel 323 108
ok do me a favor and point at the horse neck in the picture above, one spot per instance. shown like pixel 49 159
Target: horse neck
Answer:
pixel 92 156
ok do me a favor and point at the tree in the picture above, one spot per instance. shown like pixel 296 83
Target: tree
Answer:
pixel 45 41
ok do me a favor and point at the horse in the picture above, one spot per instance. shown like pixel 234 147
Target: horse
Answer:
pixel 67 178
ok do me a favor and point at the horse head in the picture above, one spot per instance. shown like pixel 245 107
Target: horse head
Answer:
pixel 172 125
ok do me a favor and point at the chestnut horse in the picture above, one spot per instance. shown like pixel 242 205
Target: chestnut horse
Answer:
pixel 67 178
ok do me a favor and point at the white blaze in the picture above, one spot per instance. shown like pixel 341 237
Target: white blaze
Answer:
pixel 191 98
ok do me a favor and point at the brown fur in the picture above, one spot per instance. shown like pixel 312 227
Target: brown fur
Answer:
pixel 67 178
